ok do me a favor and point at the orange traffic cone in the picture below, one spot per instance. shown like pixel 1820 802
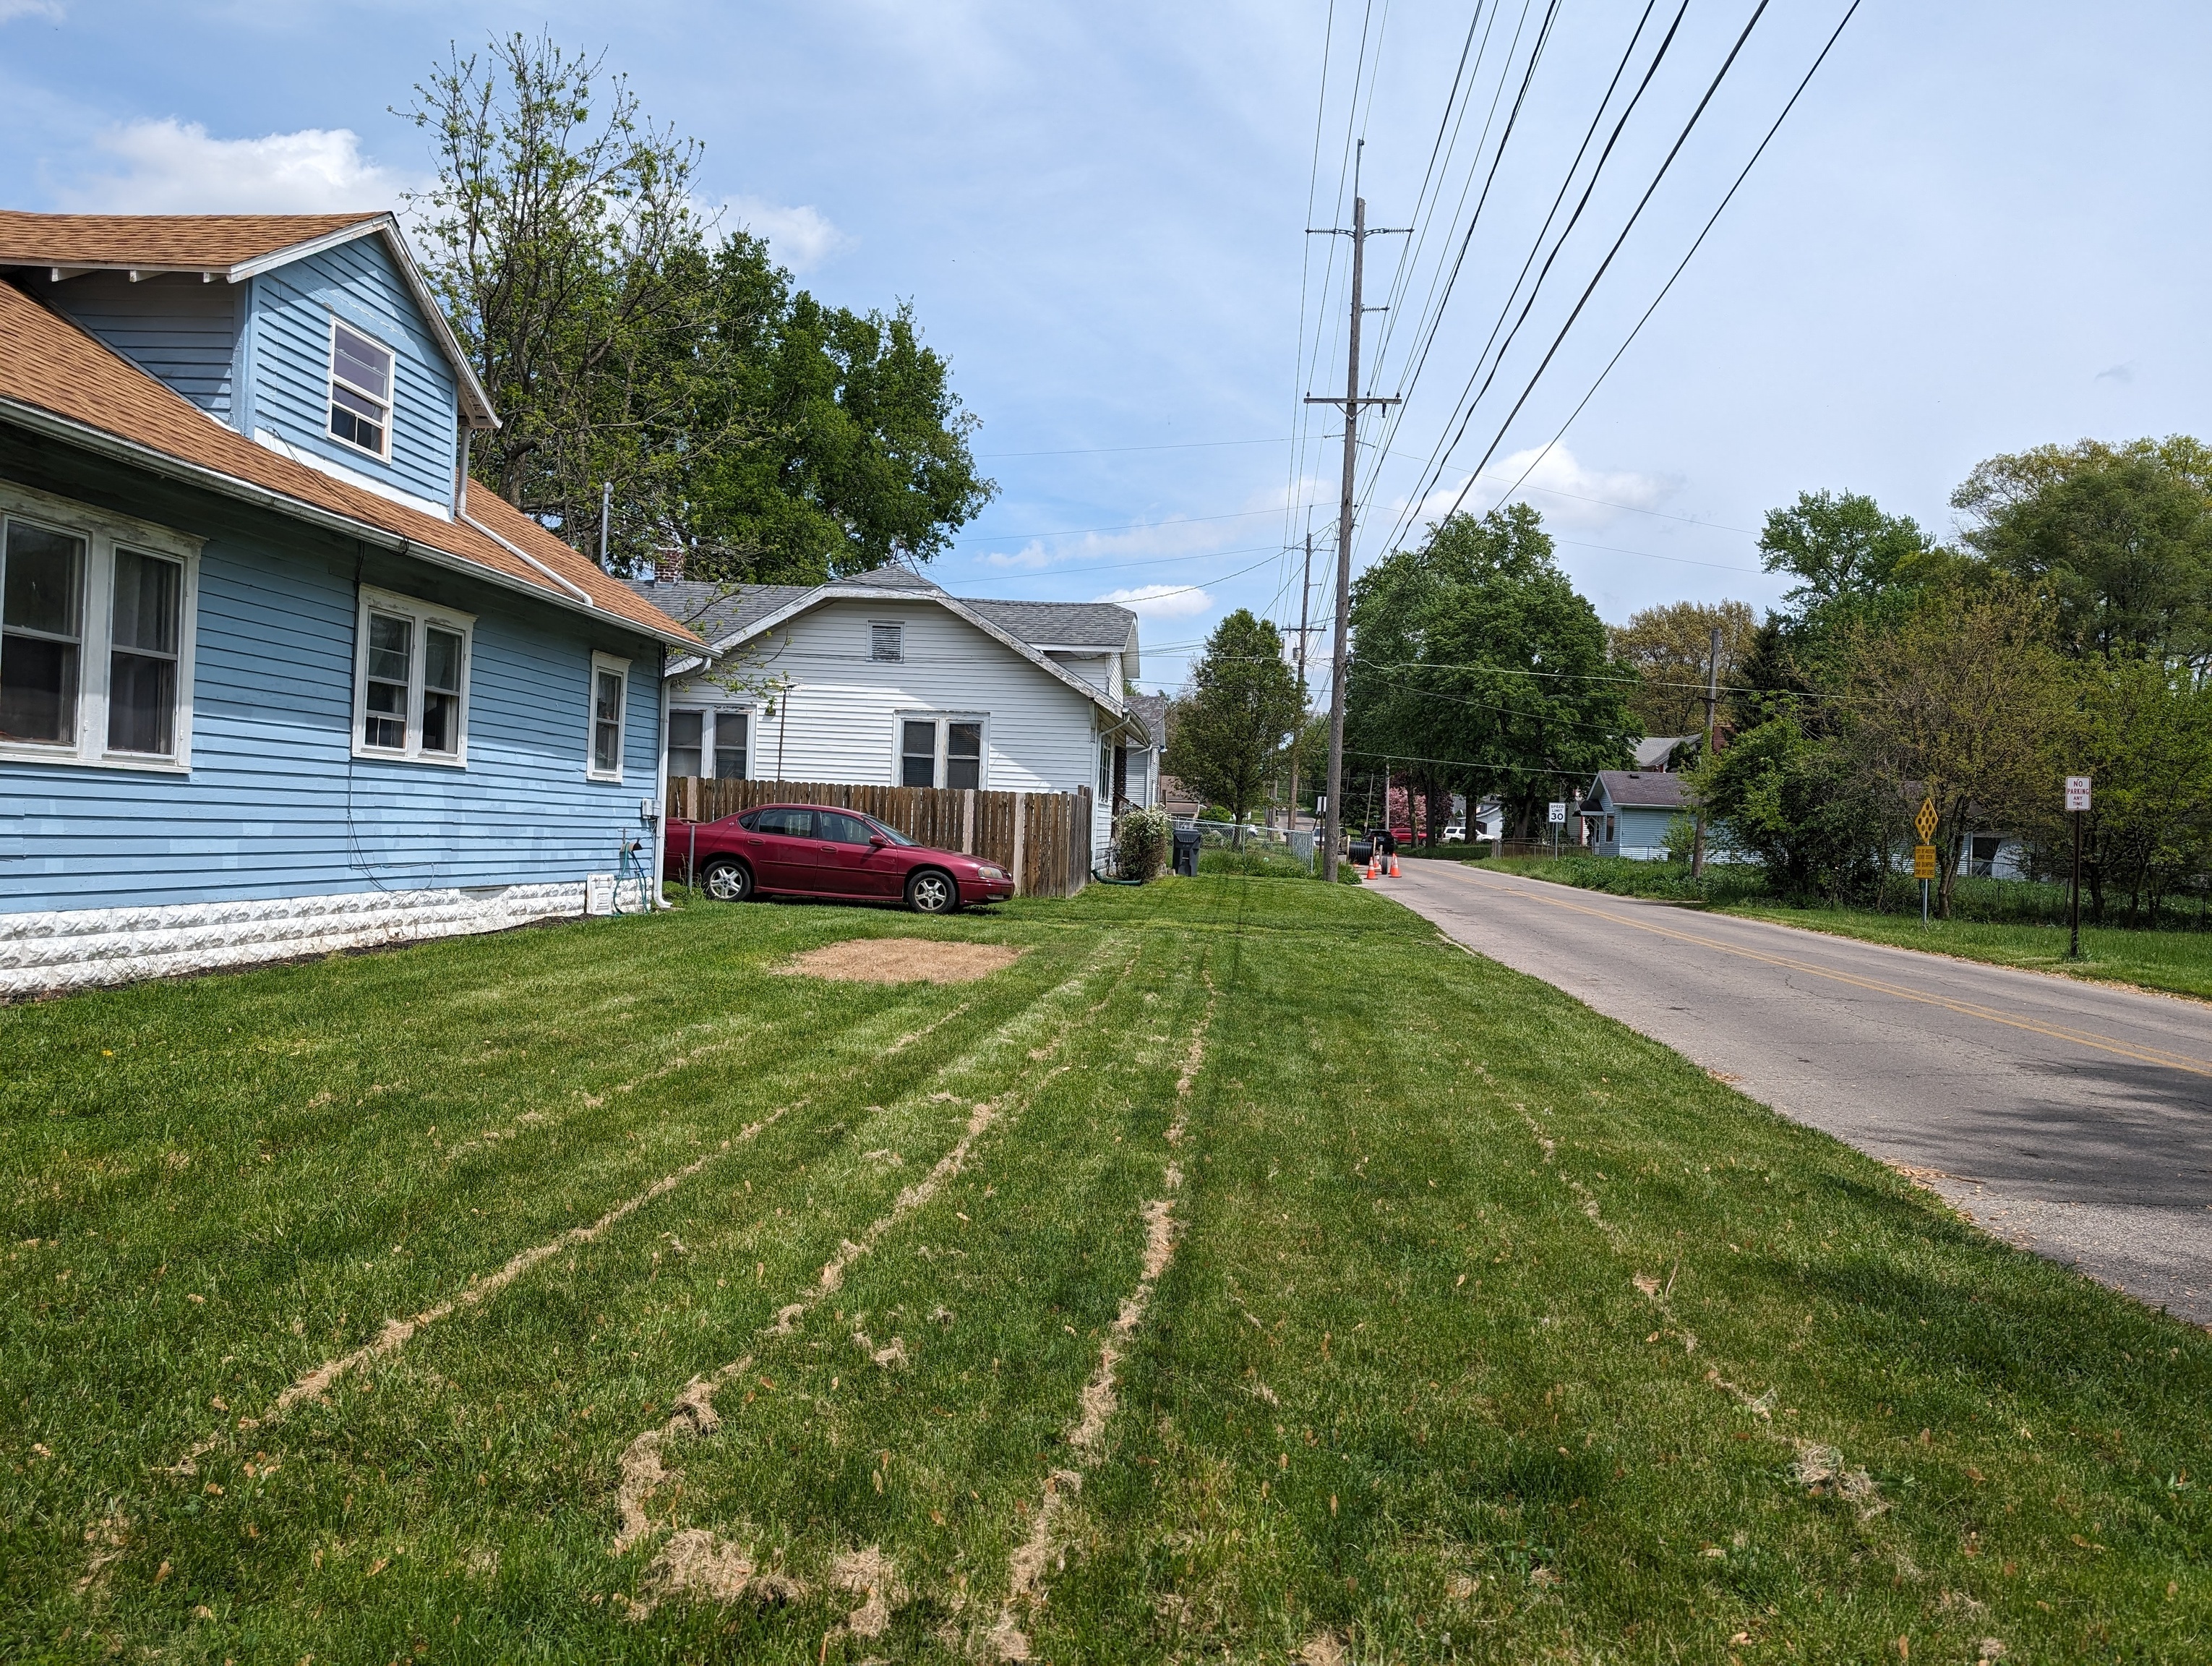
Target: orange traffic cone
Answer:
pixel 1393 864
pixel 1370 865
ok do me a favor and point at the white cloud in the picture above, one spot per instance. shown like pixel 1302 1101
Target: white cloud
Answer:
pixel 52 11
pixel 1161 601
pixel 1571 496
pixel 168 167
pixel 802 237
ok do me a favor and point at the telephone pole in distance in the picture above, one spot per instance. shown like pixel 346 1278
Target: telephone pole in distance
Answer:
pixel 1359 231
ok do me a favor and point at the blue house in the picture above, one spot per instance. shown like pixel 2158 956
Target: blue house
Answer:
pixel 274 679
pixel 1626 812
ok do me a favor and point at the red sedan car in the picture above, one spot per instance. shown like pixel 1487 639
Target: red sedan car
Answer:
pixel 805 850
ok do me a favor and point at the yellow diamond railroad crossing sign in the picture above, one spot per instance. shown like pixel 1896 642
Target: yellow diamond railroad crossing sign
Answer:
pixel 1923 861
pixel 1925 821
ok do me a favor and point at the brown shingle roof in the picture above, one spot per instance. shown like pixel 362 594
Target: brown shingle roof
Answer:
pixel 49 365
pixel 190 241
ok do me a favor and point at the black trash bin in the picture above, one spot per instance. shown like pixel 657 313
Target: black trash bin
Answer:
pixel 1186 852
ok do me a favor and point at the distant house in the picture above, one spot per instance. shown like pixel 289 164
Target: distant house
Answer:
pixel 273 679
pixel 1626 812
pixel 1667 751
pixel 884 679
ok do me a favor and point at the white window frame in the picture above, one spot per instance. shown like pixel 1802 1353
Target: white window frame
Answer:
pixel 711 714
pixel 421 615
pixel 103 532
pixel 896 625
pixel 592 771
pixel 944 720
pixel 389 401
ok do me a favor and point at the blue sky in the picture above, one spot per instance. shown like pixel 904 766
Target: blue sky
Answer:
pixel 1982 229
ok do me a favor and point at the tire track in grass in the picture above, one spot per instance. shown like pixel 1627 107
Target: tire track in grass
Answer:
pixel 1026 1567
pixel 397 1332
pixel 696 1561
pixel 1817 1466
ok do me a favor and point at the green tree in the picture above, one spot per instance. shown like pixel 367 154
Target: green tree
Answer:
pixel 1791 801
pixel 1227 732
pixel 2120 536
pixel 750 431
pixel 1668 648
pixel 2143 731
pixel 1962 700
pixel 1474 655
pixel 1842 547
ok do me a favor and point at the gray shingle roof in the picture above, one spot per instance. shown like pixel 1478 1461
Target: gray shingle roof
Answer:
pixel 1640 790
pixel 716 612
pixel 1151 710
pixel 1101 625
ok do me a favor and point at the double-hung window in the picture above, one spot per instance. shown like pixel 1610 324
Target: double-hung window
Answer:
pixel 411 680
pixel 609 712
pixel 709 744
pixel 361 390
pixel 95 623
pixel 940 752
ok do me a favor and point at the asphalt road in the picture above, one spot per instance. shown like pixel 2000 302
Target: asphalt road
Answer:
pixel 2071 1118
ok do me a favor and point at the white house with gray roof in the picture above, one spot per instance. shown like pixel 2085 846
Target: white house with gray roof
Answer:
pixel 885 679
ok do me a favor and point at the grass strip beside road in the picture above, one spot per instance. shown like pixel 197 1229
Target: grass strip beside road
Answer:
pixel 2173 962
pixel 1492 1330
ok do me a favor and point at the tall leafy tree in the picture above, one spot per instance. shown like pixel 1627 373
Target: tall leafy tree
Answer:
pixel 2120 536
pixel 1228 731
pixel 749 430
pixel 1841 546
pixel 1474 655
pixel 1668 648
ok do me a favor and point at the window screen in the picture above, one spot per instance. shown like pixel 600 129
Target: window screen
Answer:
pixel 963 755
pixel 918 754
pixel 886 642
pixel 360 390
pixel 441 690
pixel 391 660
pixel 142 683
pixel 685 733
pixel 607 722
pixel 732 732
pixel 41 587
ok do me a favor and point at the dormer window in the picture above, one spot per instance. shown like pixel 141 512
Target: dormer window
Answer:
pixel 361 390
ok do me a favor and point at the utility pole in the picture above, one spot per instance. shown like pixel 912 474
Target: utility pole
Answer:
pixel 1712 699
pixel 1305 596
pixel 1359 232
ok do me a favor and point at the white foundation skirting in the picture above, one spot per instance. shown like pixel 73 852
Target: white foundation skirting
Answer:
pixel 84 948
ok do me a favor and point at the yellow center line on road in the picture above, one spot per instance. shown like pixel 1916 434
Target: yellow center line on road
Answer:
pixel 1968 1009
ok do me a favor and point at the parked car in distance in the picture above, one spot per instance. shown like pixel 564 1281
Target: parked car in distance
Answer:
pixel 1455 833
pixel 809 850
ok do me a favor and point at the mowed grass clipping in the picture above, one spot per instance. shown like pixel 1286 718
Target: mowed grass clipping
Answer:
pixel 1417 1313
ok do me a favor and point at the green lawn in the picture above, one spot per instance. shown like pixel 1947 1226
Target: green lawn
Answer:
pixel 1243 1264
pixel 2178 962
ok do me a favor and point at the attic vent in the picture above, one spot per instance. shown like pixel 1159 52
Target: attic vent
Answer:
pixel 887 641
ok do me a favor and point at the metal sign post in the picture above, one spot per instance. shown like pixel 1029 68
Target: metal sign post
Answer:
pixel 2077 803
pixel 1924 854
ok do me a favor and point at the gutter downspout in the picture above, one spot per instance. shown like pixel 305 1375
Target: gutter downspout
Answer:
pixel 660 793
pixel 521 554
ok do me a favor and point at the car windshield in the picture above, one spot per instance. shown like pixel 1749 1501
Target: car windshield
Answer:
pixel 890 833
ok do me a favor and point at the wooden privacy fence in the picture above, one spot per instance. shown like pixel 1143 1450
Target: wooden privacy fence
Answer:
pixel 1042 839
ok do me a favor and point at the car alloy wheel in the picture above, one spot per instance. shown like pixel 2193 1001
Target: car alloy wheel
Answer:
pixel 930 892
pixel 729 882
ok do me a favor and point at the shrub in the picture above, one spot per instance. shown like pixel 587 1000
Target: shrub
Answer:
pixel 1141 840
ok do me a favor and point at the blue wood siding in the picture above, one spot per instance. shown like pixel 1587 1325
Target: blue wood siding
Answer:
pixel 175 328
pixel 275 804
pixel 287 359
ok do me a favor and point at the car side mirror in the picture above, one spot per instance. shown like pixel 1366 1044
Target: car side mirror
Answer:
pixel 879 841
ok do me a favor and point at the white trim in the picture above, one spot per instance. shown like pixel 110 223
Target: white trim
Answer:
pixel 943 720
pixel 606 662
pixel 420 616
pixel 384 488
pixel 833 592
pixel 521 554
pixel 104 443
pixel 103 532
pixel 389 400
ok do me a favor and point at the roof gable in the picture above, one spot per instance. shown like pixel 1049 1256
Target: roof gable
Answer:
pixel 57 380
pixel 228 248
